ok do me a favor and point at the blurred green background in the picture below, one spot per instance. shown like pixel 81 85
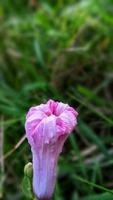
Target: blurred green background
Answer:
pixel 61 49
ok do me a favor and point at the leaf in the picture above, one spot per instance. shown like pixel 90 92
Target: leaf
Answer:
pixel 75 147
pixel 38 52
pixel 91 135
pixel 104 196
pixel 27 187
pixel 91 95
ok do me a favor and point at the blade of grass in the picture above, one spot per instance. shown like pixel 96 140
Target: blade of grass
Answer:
pixel 90 134
pixel 92 109
pixel 104 196
pixel 92 184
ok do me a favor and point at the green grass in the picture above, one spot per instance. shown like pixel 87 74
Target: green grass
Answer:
pixel 61 50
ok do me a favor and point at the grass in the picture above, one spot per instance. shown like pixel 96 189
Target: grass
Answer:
pixel 60 50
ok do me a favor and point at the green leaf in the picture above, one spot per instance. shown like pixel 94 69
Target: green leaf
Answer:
pixel 104 196
pixel 39 53
pixel 75 147
pixel 27 187
pixel 91 135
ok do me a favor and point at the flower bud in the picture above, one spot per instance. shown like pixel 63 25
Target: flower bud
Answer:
pixel 47 127
pixel 28 170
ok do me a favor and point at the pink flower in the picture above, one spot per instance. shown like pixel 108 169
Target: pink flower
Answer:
pixel 47 127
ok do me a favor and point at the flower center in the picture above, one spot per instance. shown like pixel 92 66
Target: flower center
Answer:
pixel 48 113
